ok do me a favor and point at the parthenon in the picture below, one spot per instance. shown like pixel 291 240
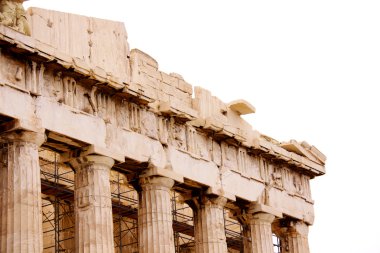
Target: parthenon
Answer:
pixel 100 151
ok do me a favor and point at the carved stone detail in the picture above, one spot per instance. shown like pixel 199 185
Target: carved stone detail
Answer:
pixel 204 146
pixel 191 135
pixel 254 167
pixel 69 91
pixel 297 183
pixel 178 136
pixel 122 113
pixel 12 14
pixel 34 78
pixel 216 153
pixel 276 177
pixel 149 125
pixel 229 156
pixel 242 161
pixel 163 130
pixel 134 117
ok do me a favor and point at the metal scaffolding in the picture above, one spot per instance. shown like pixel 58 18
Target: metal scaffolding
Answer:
pixel 57 185
pixel 124 207
pixel 276 244
pixel 183 225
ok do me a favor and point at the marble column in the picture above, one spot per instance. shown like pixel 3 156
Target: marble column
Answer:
pixel 93 206
pixel 20 193
pixel 155 220
pixel 210 236
pixel 295 238
pixel 261 232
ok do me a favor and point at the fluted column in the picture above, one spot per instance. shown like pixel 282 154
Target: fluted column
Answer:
pixel 296 238
pixel 93 207
pixel 210 236
pixel 20 193
pixel 155 221
pixel 261 232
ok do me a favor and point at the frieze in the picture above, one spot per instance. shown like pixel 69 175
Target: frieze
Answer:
pixel 229 156
pixel 163 129
pixel 34 75
pixel 134 117
pixel 254 167
pixel 177 135
pixel 216 153
pixel 122 113
pixel 242 161
pixel 149 125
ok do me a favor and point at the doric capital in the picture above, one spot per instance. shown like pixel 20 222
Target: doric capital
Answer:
pixel 214 200
pixel 298 228
pixel 156 181
pixel 264 217
pixel 195 202
pixel 88 160
pixel 24 136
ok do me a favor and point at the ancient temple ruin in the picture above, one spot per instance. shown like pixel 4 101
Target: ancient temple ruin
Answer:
pixel 100 151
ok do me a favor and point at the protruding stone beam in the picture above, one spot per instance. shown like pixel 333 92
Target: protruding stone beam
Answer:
pixel 20 192
pixel 93 207
pixel 295 237
pixel 210 236
pixel 155 221
pixel 257 222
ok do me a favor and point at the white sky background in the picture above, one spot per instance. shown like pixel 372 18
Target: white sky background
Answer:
pixel 311 69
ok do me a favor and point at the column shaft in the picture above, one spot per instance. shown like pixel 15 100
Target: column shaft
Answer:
pixel 155 221
pixel 261 232
pixel 296 238
pixel 93 207
pixel 210 236
pixel 20 194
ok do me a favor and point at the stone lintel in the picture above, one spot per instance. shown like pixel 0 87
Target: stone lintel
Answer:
pixel 23 125
pixel 220 192
pixel 92 159
pixel 260 208
pixel 24 136
pixel 155 171
pixel 89 151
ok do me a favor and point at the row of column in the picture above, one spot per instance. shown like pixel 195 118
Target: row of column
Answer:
pixel 20 209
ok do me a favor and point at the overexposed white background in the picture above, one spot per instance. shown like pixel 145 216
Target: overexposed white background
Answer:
pixel 311 69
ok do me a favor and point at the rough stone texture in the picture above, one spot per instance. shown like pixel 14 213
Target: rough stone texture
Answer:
pixel 108 55
pixel 295 239
pixel 261 232
pixel 76 78
pixel 12 14
pixel 93 209
pixel 209 230
pixel 155 216
pixel 20 193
